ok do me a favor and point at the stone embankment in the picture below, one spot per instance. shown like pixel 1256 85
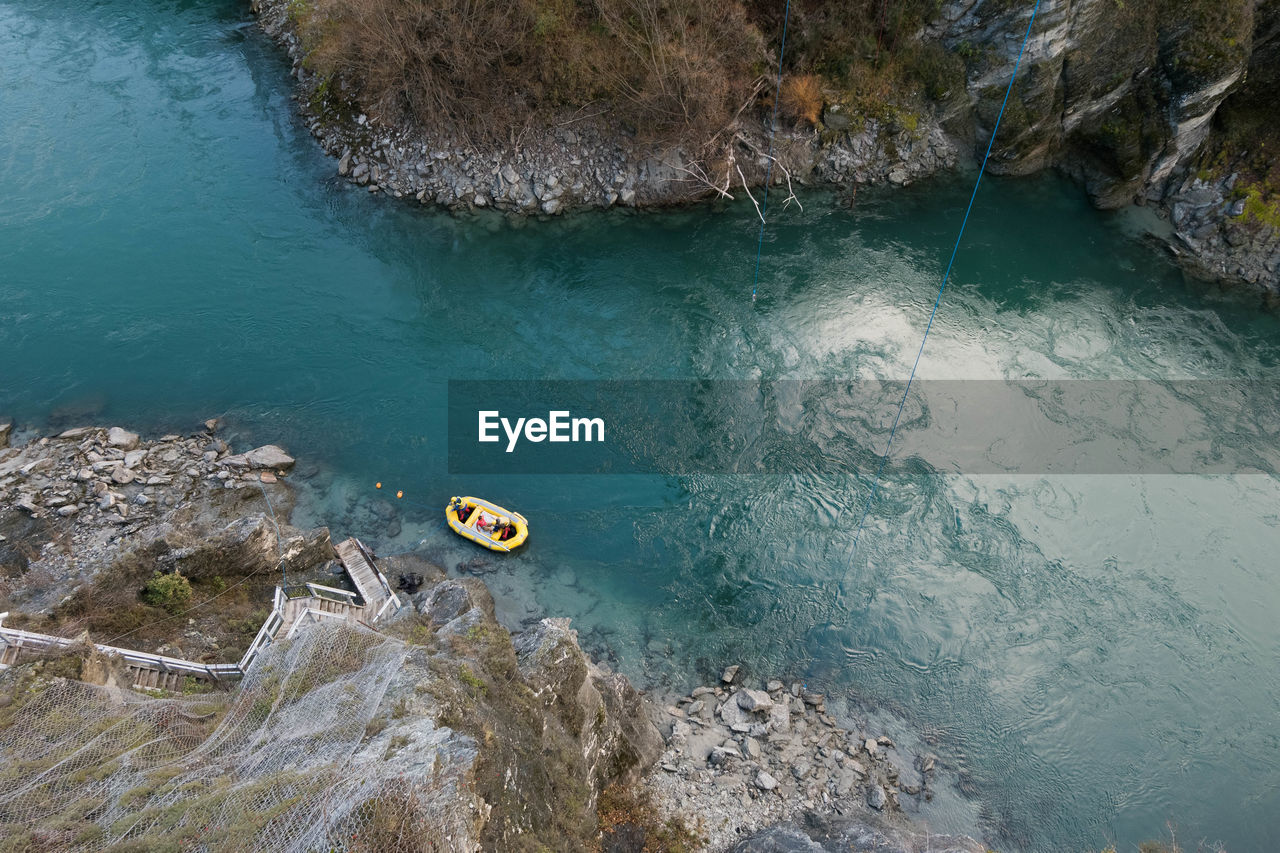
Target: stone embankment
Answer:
pixel 739 760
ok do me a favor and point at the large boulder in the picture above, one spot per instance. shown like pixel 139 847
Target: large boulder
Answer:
pixel 269 456
pixel 122 439
pixel 754 700
pixel 452 599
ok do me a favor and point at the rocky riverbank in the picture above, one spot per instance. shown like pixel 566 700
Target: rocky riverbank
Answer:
pixel 1215 239
pixel 1085 123
pixel 89 516
pixel 527 729
pixel 579 161
pixel 73 501
pixel 740 762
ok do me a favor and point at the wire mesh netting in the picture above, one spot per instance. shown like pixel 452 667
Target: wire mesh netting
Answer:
pixel 283 763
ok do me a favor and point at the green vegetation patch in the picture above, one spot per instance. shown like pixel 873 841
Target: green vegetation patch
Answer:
pixel 1259 209
pixel 171 591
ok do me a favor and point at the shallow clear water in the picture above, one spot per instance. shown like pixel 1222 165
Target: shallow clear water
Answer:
pixel 1092 656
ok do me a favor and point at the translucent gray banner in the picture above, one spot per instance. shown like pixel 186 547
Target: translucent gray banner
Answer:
pixel 964 426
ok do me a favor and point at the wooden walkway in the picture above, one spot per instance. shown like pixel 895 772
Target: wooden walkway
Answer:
pixel 371 583
pixel 313 603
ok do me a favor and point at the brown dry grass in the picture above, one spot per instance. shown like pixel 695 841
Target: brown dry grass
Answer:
pixel 802 98
pixel 629 821
pixel 670 67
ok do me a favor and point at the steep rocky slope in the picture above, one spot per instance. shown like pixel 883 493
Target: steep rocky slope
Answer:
pixel 439 731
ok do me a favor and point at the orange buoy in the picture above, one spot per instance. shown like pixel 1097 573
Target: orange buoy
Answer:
pixel 377 485
pixel 399 494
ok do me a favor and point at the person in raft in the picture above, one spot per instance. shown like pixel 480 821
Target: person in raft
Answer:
pixel 460 508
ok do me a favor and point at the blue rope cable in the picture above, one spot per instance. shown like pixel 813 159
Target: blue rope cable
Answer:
pixel 768 169
pixel 875 483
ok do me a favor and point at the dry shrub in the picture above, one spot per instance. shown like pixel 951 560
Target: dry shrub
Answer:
pixel 685 65
pixel 802 98
pixel 678 68
pixel 433 60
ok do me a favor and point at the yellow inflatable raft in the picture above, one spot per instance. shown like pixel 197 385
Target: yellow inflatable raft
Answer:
pixel 486 524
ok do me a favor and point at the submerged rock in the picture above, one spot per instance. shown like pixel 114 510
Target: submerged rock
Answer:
pixel 815 833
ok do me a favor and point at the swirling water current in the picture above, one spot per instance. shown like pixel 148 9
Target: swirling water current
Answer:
pixel 1091 656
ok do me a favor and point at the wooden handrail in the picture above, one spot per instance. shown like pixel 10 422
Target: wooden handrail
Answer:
pixel 19 638
pixel 164 663
pixel 319 591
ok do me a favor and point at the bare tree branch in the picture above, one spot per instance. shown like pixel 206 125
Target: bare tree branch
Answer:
pixel 746 188
pixel 695 171
pixel 791 193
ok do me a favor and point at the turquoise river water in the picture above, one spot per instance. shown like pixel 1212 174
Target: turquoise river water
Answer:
pixel 1090 655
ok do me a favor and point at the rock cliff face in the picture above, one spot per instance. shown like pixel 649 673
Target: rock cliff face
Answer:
pixel 553 729
pixel 540 729
pixel 1226 214
pixel 1136 101
pixel 1119 94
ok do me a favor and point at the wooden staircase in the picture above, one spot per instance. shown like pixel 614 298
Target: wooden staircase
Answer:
pixel 146 678
pixel 143 669
pixel 313 608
